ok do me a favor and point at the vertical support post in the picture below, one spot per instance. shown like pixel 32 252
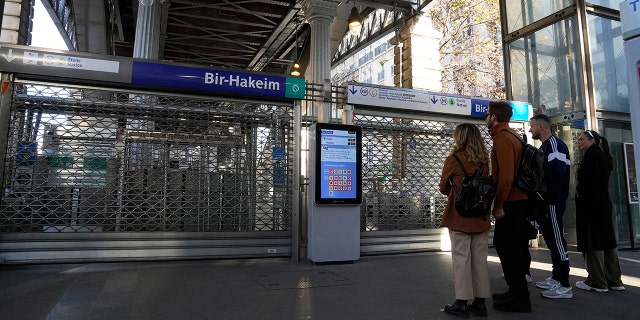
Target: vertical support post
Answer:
pixel 347 114
pixel 630 18
pixel 147 39
pixel 295 217
pixel 5 119
pixel 320 14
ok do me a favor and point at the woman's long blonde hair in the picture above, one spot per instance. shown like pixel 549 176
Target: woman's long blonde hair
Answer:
pixel 467 138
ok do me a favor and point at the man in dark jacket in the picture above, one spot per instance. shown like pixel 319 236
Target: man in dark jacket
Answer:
pixel 509 209
pixel 557 167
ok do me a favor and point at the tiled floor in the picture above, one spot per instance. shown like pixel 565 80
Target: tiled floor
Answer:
pixel 395 287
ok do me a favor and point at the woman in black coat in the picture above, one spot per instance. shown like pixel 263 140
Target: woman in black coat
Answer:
pixel 594 216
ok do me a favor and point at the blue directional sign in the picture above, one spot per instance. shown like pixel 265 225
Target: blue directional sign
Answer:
pixel 420 100
pixel 223 81
pixel 26 155
pixel 277 153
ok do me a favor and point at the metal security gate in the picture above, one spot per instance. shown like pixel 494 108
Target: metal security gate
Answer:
pixel 104 173
pixel 403 155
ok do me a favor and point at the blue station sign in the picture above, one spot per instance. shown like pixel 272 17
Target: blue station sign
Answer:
pixel 221 81
pixel 124 70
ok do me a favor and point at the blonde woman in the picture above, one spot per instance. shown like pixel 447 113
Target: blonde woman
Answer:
pixel 469 235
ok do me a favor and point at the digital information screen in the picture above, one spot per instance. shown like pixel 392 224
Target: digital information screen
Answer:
pixel 338 164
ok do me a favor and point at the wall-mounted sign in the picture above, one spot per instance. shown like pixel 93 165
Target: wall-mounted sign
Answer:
pixel 222 81
pixel 124 70
pixel 410 99
pixel 630 18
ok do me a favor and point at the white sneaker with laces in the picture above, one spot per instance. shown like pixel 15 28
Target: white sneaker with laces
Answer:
pixel 584 286
pixel 617 288
pixel 547 284
pixel 558 292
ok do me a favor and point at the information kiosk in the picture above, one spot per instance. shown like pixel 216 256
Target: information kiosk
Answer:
pixel 335 192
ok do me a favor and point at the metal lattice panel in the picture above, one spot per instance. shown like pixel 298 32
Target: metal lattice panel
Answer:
pixel 402 164
pixel 95 160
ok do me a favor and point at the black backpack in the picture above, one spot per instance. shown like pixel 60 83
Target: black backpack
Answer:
pixel 476 193
pixel 531 169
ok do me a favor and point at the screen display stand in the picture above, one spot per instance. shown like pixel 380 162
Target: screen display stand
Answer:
pixel 333 226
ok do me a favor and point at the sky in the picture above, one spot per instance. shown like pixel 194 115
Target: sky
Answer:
pixel 45 34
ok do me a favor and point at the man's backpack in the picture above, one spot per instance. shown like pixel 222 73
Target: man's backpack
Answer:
pixel 531 169
pixel 476 193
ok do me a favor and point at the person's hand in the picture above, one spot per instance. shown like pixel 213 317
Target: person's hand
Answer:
pixel 498 213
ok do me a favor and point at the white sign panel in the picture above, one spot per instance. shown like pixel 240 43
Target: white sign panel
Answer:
pixel 64 61
pixel 60 61
pixel 630 18
pixel 450 104
pixel 410 99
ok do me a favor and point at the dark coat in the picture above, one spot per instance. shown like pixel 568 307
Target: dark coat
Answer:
pixel 594 212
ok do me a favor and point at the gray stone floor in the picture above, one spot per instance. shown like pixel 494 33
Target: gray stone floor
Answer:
pixel 406 286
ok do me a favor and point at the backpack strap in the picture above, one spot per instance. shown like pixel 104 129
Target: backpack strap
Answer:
pixel 513 133
pixel 461 165
pixel 466 174
pixel 478 171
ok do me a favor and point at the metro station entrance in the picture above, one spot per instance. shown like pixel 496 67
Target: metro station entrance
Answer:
pixel 94 170
pixel 113 172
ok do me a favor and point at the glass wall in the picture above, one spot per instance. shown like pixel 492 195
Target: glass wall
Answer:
pixel 618 133
pixel 544 71
pixel 521 13
pixel 546 68
pixel 609 66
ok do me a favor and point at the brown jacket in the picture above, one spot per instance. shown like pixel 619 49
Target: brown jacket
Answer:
pixel 505 157
pixel 451 219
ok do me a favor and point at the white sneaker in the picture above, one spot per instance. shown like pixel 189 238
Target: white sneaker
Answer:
pixel 558 292
pixel 584 286
pixel 547 284
pixel 617 288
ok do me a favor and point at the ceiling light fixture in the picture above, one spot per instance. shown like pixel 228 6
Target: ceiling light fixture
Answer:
pixel 355 21
pixel 295 69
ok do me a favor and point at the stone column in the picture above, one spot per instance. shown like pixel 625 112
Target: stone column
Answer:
pixel 10 21
pixel 320 14
pixel 146 46
pixel 147 39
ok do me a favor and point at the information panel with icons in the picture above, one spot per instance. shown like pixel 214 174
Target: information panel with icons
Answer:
pixel 339 164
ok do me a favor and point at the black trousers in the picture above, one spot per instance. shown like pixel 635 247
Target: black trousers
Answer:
pixel 552 231
pixel 511 241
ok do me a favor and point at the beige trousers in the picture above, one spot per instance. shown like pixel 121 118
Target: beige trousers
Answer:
pixel 470 272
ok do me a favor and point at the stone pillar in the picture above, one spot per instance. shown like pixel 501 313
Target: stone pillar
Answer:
pixel 146 46
pixel 320 14
pixel 147 40
pixel 417 56
pixel 10 21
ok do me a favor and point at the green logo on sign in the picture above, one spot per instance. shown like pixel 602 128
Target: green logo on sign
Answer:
pixel 295 88
pixel 452 102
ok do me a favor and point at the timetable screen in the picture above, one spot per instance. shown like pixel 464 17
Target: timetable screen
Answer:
pixel 338 164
